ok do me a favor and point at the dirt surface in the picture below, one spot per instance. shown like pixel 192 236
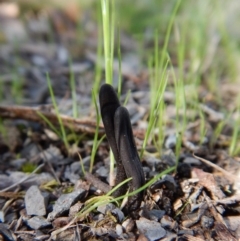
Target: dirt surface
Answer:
pixel 197 200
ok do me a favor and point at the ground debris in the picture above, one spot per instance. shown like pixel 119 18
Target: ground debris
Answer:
pixel 47 189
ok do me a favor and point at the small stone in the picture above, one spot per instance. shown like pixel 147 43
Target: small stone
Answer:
pixel 171 141
pixel 62 55
pixel 18 163
pixel 52 154
pixel 119 229
pixel 167 182
pixel 151 161
pixel 106 207
pixel 169 158
pixel 64 202
pixel 186 232
pixel 233 223
pixel 35 201
pixel 128 225
pixel 73 177
pixel 151 229
pixel 51 134
pixel 220 209
pixel 118 213
pixel 207 222
pixel 155 214
pixel 37 222
pixel 192 161
pixel 5 181
pixel 10 216
pixel 30 150
pixel 2 217
pixel 102 171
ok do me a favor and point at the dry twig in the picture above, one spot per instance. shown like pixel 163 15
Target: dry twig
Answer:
pixel 34 114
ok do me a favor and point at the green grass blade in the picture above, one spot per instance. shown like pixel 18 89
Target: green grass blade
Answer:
pixel 63 132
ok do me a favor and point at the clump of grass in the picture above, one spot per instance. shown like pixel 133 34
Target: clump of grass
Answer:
pixel 96 142
pixel 158 82
pixel 62 129
pixel 49 186
pixel 98 67
pixel 17 88
pixel 180 104
pixel 28 167
pixel 234 147
pixel 73 91
pixel 203 129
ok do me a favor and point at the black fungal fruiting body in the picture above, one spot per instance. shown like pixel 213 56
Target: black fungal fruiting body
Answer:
pixel 118 130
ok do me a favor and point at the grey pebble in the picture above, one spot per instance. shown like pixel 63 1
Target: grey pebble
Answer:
pixel 151 229
pixel 39 61
pixel 52 154
pixel 118 212
pixel 106 207
pixel 152 161
pixel 170 141
pixel 169 157
pixel 30 150
pixel 5 181
pixel 102 171
pixel 18 163
pixel 192 161
pixel 2 220
pixel 119 229
pixel 64 202
pixel 37 222
pixel 155 214
pixel 35 201
pixel 71 176
pixel 207 222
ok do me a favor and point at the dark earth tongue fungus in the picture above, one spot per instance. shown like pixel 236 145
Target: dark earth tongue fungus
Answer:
pixel 120 137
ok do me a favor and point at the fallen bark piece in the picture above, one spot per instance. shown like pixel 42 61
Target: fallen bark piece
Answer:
pixel 223 233
pixel 207 180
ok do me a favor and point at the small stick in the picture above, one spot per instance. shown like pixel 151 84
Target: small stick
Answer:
pixel 96 182
pixel 34 114
pixel 230 176
pixel 22 180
